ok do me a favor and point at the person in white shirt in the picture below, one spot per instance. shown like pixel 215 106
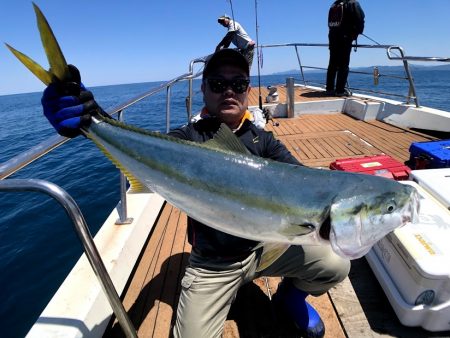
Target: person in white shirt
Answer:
pixel 238 36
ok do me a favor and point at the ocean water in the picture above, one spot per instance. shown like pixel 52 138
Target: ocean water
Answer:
pixel 38 245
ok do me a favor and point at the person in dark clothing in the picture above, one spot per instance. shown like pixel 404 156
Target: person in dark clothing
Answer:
pixel 219 262
pixel 345 22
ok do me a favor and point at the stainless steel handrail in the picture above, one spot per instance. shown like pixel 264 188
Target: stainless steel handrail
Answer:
pixel 122 205
pixel 412 88
pixel 412 94
pixel 84 235
pixel 191 86
pixel 21 160
pixel 16 163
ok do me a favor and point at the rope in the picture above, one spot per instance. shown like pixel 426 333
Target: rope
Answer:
pixel 379 44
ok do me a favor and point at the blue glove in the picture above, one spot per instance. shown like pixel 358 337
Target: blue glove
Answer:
pixel 68 106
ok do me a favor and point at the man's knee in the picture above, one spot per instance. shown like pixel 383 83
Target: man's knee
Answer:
pixel 336 267
pixel 325 271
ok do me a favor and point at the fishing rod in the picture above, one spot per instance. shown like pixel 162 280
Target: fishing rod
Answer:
pixel 266 112
pixel 257 44
pixel 232 14
pixel 258 48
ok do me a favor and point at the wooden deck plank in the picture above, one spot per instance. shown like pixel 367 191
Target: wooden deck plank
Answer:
pixel 140 287
pixel 335 147
pixel 157 281
pixel 302 148
pixel 310 143
pixel 168 302
pixel 136 293
pixel 338 142
pixel 366 138
pixel 296 150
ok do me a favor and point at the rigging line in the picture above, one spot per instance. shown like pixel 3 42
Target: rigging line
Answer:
pixel 379 44
pixel 257 54
pixel 370 38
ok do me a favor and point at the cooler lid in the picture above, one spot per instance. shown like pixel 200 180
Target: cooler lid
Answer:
pixel 436 181
pixel 426 244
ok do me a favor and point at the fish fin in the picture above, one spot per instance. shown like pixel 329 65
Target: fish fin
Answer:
pixel 58 65
pixel 136 186
pixel 42 74
pixel 225 139
pixel 294 230
pixel 271 252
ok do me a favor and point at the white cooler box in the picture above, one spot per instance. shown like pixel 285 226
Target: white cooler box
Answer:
pixel 412 264
pixel 436 182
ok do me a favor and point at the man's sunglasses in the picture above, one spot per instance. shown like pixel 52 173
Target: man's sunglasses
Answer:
pixel 218 86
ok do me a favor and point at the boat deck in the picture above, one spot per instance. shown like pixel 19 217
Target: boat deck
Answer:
pixel 355 308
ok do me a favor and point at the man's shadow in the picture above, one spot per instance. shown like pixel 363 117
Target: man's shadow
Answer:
pixel 252 310
pixel 316 94
pixel 255 316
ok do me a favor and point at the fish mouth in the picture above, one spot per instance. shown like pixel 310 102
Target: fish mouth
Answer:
pixel 412 210
pixel 415 206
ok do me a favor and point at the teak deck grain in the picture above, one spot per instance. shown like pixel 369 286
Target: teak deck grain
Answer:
pixel 355 308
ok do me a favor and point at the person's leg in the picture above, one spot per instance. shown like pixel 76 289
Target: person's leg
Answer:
pixel 249 53
pixel 332 66
pixel 208 290
pixel 306 270
pixel 343 65
pixel 313 269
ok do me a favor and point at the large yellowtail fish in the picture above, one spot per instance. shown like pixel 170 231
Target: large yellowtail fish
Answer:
pixel 222 185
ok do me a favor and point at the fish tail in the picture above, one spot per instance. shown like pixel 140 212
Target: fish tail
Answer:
pixel 135 185
pixel 58 66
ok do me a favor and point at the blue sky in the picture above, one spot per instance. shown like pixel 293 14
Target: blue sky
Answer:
pixel 114 42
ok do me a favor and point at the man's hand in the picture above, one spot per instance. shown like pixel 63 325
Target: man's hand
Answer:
pixel 68 106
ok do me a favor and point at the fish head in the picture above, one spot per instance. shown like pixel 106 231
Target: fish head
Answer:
pixel 357 221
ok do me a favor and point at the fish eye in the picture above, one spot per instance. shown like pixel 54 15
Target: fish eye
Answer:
pixel 390 208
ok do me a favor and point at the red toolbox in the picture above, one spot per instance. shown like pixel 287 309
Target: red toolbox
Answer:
pixel 379 165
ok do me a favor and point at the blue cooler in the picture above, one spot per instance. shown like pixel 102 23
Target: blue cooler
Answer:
pixel 430 155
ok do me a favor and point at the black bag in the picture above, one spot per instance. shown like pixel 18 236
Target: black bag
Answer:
pixel 336 14
pixel 348 15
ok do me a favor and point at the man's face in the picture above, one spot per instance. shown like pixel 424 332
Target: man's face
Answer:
pixel 229 104
pixel 225 22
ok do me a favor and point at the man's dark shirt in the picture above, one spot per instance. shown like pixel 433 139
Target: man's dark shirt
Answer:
pixel 352 24
pixel 206 240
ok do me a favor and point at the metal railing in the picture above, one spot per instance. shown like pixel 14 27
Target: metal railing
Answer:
pixel 391 55
pixel 85 237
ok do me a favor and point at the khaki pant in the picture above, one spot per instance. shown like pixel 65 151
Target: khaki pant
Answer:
pixel 209 286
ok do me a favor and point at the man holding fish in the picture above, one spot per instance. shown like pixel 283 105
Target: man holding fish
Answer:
pixel 255 212
pixel 219 262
